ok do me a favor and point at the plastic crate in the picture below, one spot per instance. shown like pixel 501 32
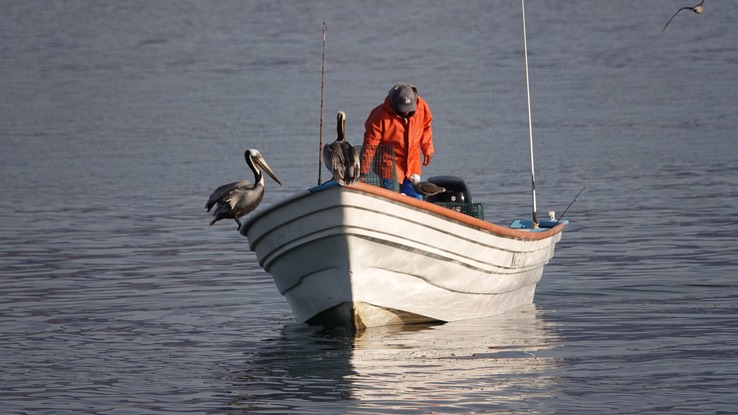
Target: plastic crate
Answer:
pixel 472 209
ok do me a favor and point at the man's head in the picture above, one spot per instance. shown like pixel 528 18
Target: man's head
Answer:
pixel 403 98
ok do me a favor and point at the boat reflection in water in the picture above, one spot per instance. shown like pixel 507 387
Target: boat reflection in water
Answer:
pixel 501 363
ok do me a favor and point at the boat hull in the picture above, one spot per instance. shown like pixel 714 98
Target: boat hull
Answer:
pixel 365 256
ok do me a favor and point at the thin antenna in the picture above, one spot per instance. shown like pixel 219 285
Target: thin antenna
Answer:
pixel 530 121
pixel 322 89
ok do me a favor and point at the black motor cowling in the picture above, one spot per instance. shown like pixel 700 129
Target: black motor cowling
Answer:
pixel 456 190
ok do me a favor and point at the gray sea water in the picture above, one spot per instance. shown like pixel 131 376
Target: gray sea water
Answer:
pixel 117 120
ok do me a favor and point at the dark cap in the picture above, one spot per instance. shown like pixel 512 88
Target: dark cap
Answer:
pixel 403 98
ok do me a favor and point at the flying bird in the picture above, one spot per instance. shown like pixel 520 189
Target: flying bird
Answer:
pixel 425 188
pixel 697 9
pixel 340 157
pixel 236 199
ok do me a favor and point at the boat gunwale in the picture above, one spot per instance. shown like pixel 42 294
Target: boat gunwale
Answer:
pixel 395 197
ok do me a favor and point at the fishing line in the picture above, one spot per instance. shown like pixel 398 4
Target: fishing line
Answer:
pixel 567 208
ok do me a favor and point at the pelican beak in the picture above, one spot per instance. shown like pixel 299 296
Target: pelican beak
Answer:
pixel 263 164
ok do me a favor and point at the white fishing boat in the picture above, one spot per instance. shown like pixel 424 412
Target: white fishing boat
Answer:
pixel 365 255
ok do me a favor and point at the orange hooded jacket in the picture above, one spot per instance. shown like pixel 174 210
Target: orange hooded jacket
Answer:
pixel 408 136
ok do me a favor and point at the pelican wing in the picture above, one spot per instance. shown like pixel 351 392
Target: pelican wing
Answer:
pixel 352 163
pixel 222 194
pixel 342 159
pixel 429 189
pixel 334 159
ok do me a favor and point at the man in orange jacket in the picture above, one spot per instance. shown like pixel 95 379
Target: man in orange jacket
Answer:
pixel 403 120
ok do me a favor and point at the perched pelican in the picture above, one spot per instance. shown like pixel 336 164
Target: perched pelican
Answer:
pixel 236 199
pixel 425 188
pixel 697 9
pixel 340 157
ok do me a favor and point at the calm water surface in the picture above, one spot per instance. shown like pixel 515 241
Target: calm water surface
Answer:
pixel 119 118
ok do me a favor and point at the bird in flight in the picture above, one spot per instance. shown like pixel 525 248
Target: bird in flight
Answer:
pixel 697 9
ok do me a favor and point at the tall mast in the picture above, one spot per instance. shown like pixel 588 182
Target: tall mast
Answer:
pixel 322 89
pixel 530 121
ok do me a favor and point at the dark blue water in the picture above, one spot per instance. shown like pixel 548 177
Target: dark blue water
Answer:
pixel 118 119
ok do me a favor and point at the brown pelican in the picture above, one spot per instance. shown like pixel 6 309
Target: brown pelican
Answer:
pixel 697 9
pixel 340 157
pixel 425 188
pixel 236 199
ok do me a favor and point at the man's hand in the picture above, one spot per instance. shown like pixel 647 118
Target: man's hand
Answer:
pixel 427 159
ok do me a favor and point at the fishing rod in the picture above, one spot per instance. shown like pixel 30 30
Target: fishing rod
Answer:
pixel 567 208
pixel 530 121
pixel 322 90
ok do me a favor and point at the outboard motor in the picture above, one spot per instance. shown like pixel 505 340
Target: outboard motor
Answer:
pixel 456 190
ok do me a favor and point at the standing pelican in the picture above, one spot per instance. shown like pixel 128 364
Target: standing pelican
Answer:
pixel 697 9
pixel 239 198
pixel 340 157
pixel 425 188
